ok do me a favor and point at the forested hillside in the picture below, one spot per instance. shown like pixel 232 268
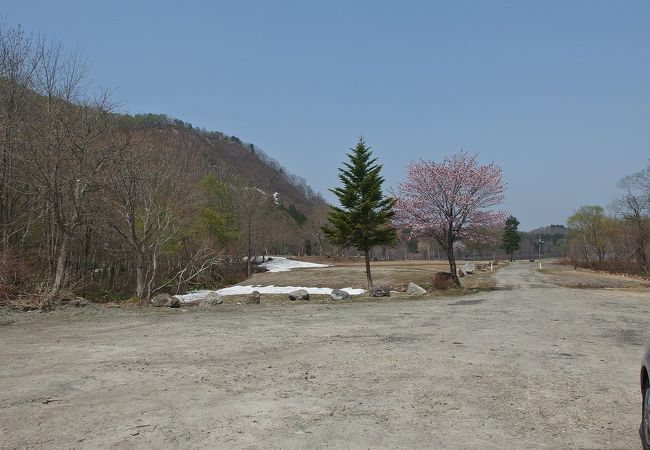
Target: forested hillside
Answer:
pixel 109 205
pixel 553 243
pixel 228 153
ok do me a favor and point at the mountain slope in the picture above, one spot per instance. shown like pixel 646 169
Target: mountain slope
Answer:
pixel 232 158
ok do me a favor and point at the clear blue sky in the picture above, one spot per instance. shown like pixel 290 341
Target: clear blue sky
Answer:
pixel 556 92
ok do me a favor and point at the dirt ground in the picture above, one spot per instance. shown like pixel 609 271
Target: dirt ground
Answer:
pixel 531 364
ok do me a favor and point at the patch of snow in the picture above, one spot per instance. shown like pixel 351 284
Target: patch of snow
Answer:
pixel 194 295
pixel 276 264
pixel 272 289
pixel 282 264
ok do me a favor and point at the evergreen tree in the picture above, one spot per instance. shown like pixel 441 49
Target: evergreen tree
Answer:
pixel 363 219
pixel 511 237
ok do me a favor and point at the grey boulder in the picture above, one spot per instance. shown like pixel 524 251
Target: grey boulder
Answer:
pixel 254 298
pixel 78 302
pixel 168 300
pixel 69 299
pixel 469 268
pixel 338 294
pixel 414 289
pixel 212 299
pixel 300 294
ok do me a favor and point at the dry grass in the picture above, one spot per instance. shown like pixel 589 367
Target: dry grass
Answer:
pixel 347 273
pixel 21 302
pixel 567 276
pixel 343 274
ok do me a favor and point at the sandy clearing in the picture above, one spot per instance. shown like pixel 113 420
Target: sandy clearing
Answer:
pixel 529 365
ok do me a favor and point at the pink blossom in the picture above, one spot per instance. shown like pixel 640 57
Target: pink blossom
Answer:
pixel 451 200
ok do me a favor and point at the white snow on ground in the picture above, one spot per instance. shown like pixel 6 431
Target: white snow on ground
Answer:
pixel 282 264
pixel 277 264
pixel 194 295
pixel 272 289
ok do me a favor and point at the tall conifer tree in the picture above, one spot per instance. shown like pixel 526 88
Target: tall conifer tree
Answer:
pixel 363 219
pixel 511 237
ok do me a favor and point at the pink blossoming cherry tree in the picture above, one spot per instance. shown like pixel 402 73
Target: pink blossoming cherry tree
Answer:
pixel 450 201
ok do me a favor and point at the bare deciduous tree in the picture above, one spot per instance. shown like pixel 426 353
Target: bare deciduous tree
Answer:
pixel 149 191
pixel 634 208
pixel 68 148
pixel 18 65
pixel 252 206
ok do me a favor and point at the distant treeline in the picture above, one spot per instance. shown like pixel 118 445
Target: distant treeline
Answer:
pixel 616 238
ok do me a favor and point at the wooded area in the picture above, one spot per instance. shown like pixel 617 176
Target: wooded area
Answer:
pixel 110 205
pixel 620 240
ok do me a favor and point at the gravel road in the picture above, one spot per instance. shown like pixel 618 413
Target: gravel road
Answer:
pixel 528 365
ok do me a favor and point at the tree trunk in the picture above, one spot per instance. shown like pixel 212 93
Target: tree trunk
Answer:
pixel 368 275
pixel 642 257
pixel 86 259
pixel 59 274
pixel 139 276
pixel 641 254
pixel 644 260
pixel 585 250
pixel 452 260
pixel 154 267
pixel 248 262
pixel 5 176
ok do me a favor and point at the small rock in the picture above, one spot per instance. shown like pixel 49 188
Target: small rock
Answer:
pixel 254 298
pixel 161 300
pixel 380 291
pixel 469 268
pixel 461 274
pixel 414 289
pixel 212 299
pixel 338 294
pixel 300 294
pixel 67 298
pixel 78 302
